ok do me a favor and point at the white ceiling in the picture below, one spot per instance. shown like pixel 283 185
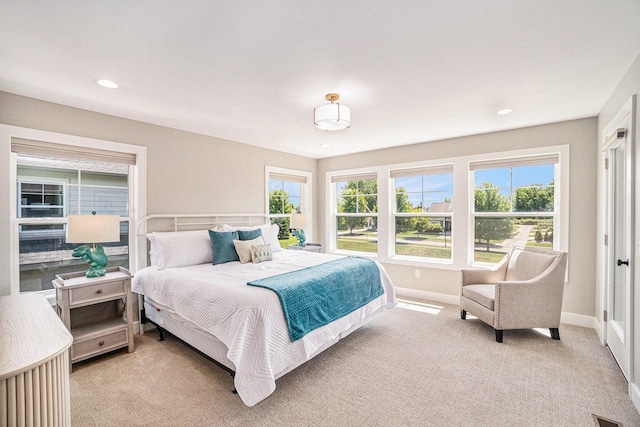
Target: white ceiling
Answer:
pixel 252 71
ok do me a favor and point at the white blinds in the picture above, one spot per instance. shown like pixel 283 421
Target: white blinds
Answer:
pixel 516 162
pixel 71 152
pixel 288 178
pixel 434 170
pixel 357 177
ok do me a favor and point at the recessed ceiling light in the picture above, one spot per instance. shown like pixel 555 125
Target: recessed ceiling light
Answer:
pixel 504 111
pixel 106 83
pixel 325 145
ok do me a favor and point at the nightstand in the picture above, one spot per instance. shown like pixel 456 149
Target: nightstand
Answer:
pixel 97 311
pixel 309 247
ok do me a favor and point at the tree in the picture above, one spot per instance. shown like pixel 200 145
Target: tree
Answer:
pixel 489 199
pixel 357 197
pixel 422 225
pixel 404 224
pixel 535 198
pixel 538 236
pixel 278 204
pixel 351 202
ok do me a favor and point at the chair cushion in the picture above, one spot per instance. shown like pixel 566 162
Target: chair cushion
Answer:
pixel 482 294
pixel 526 265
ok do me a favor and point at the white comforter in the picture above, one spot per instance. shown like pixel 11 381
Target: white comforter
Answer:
pixel 248 319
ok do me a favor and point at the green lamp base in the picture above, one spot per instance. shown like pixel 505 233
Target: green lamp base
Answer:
pixel 299 234
pixel 97 259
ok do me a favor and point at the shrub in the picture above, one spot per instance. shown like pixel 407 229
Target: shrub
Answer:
pixel 538 236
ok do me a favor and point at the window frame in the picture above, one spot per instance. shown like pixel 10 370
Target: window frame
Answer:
pixel 514 162
pixel 462 221
pixel 306 196
pixel 137 191
pixel 333 241
pixel 43 181
pixel 420 172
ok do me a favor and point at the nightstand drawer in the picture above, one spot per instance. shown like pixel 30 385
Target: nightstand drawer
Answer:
pixel 101 344
pixel 96 292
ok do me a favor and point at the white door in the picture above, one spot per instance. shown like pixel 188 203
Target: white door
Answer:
pixel 619 155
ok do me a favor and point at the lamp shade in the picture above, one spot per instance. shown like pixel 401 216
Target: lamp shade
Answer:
pixel 332 117
pixel 299 221
pixel 93 228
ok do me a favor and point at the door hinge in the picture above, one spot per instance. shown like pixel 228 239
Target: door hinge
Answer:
pixel 621 132
pixel 606 163
pixel 604 315
pixel 606 240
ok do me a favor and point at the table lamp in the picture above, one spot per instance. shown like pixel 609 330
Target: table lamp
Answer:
pixel 298 223
pixel 93 229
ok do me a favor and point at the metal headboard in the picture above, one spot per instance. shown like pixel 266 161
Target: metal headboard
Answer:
pixel 186 222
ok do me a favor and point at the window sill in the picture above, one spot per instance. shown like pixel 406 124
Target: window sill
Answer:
pixel 414 262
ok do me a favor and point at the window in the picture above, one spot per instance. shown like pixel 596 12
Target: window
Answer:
pixel 514 204
pixel 423 212
pixel 40 198
pixel 288 191
pixel 51 188
pixel 54 175
pixel 356 213
pixel 454 212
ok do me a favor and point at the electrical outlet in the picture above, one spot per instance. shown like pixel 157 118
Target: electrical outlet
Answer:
pixel 417 272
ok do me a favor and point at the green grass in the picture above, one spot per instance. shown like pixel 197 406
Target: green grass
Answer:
pixel 358 245
pixel 547 245
pixel 286 242
pixel 423 251
pixel 484 256
pixel 422 237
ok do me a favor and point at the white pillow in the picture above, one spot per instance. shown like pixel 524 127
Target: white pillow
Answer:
pixel 180 248
pixel 243 248
pixel 269 233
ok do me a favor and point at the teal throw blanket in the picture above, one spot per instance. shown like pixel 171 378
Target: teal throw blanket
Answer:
pixel 315 296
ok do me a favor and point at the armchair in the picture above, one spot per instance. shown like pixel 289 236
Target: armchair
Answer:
pixel 523 291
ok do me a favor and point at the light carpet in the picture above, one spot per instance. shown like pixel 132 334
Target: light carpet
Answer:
pixel 405 368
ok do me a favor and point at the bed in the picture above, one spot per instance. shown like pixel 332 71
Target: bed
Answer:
pixel 212 308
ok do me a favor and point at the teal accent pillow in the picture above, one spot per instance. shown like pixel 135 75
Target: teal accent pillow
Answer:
pixel 222 246
pixel 249 234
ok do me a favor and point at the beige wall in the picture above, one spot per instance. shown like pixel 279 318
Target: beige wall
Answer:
pixel 579 134
pixel 186 172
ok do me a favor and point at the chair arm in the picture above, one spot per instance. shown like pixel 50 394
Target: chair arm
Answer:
pixel 477 275
pixel 485 275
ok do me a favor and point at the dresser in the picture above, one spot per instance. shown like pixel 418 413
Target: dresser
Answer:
pixel 34 363
pixel 97 310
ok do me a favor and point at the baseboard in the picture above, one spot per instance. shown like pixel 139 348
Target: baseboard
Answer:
pixel 579 320
pixel 635 395
pixel 568 318
pixel 427 295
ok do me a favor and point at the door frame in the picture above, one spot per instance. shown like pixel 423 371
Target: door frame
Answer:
pixel 625 118
pixel 617 134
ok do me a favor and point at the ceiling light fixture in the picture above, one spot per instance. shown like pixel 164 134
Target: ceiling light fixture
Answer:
pixel 325 145
pixel 106 83
pixel 504 111
pixel 332 116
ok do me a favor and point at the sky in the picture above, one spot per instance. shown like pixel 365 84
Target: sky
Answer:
pixel 437 188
